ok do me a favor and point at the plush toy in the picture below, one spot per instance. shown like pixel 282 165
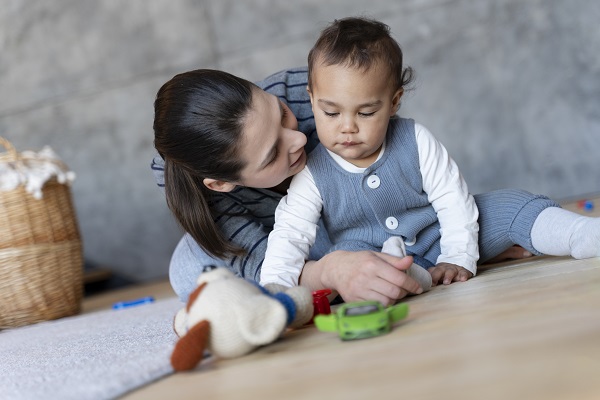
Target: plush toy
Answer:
pixel 396 247
pixel 230 316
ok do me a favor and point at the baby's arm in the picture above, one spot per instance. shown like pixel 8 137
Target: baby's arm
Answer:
pixel 456 210
pixel 294 232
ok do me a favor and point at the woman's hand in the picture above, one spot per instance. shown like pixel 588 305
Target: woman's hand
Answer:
pixel 448 273
pixel 362 275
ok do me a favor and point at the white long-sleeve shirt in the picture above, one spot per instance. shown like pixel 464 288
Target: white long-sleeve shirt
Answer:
pixel 298 213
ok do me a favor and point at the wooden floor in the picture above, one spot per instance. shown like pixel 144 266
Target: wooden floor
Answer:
pixel 519 330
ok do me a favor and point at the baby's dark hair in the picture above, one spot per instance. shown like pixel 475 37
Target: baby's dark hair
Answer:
pixel 360 43
pixel 198 123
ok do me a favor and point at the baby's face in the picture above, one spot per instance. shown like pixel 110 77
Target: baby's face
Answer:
pixel 352 109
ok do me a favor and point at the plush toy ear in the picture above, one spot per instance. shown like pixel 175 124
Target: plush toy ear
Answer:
pixel 304 305
pixel 261 320
pixel 180 322
pixel 189 349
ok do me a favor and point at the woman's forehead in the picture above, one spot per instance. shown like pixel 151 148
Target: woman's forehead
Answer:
pixel 261 125
pixel 264 101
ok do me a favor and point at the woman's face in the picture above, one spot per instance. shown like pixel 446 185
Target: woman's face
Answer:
pixel 272 147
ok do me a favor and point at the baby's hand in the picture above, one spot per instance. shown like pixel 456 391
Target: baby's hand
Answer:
pixel 448 273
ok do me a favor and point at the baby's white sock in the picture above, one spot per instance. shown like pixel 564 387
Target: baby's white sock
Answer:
pixel 558 232
pixel 395 247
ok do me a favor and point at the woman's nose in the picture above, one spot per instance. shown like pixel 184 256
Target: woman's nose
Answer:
pixel 298 140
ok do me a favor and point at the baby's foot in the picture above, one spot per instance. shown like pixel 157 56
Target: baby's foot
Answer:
pixel 585 240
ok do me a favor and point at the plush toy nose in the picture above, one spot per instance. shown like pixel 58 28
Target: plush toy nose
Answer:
pixel 208 268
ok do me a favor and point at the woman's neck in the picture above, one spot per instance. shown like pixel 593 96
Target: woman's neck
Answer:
pixel 283 186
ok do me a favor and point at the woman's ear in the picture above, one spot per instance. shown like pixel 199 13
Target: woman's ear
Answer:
pixel 218 186
pixel 396 101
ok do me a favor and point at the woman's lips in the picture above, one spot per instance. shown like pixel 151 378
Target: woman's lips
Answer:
pixel 298 161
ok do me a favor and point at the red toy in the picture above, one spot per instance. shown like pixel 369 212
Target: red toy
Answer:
pixel 321 303
pixel 587 205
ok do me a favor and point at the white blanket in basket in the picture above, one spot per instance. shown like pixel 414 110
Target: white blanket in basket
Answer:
pixel 32 170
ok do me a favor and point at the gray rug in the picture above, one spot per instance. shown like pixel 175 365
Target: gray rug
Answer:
pixel 100 355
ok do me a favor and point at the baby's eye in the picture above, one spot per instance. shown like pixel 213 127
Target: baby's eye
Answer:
pixel 366 114
pixel 330 114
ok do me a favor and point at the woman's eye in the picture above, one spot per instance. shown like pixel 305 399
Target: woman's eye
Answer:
pixel 330 114
pixel 274 158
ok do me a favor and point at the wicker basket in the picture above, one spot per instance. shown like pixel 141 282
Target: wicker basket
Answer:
pixel 41 261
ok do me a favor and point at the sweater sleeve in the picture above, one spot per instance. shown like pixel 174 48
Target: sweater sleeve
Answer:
pixel 295 231
pixel 448 193
pixel 245 217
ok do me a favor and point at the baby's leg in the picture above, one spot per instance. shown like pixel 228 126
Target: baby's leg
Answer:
pixel 559 232
pixel 506 218
pixel 395 247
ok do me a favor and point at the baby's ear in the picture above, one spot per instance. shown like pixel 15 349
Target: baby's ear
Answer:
pixel 396 101
pixel 218 186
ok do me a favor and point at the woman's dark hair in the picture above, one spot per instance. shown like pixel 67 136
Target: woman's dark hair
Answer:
pixel 198 122
pixel 359 43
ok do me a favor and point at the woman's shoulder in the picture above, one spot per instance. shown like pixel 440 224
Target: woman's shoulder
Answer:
pixel 283 81
pixel 290 86
pixel 158 169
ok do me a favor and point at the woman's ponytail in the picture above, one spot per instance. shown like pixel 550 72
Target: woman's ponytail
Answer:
pixel 198 130
pixel 188 200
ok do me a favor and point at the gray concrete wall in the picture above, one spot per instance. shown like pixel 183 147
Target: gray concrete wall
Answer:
pixel 509 86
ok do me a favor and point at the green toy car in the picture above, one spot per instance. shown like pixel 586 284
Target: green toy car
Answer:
pixel 361 319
